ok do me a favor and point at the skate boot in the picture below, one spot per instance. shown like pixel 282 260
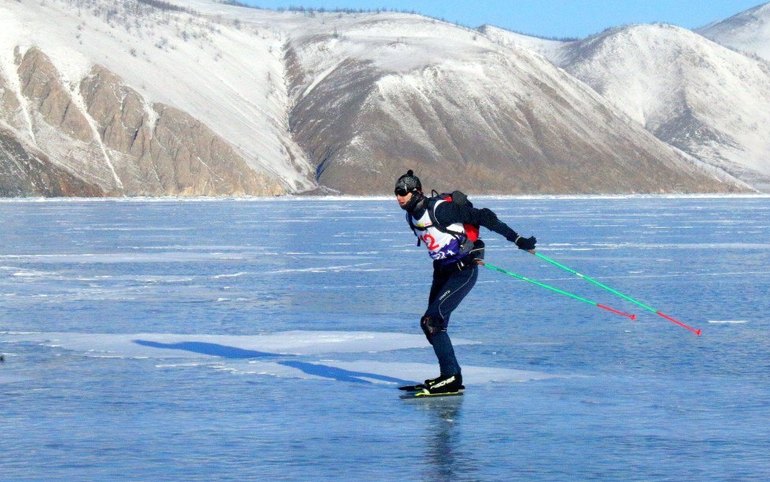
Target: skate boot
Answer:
pixel 445 384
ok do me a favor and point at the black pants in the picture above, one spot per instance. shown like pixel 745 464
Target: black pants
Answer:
pixel 450 286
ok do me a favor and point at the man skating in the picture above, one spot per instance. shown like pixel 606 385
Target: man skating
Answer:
pixel 448 226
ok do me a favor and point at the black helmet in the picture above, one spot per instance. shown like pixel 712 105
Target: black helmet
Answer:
pixel 408 183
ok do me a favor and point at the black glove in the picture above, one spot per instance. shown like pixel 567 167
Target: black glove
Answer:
pixel 526 243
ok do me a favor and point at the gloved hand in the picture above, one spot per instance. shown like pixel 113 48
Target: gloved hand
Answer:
pixel 527 244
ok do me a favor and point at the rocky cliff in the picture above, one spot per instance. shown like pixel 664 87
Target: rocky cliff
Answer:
pixel 114 141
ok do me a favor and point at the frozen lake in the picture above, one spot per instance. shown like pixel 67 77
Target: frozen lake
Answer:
pixel 264 339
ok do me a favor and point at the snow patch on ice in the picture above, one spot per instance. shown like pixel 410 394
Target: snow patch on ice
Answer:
pixel 12 379
pixel 165 345
pixel 292 354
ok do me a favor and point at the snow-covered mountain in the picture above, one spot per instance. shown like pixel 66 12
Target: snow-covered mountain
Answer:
pixel 406 91
pixel 708 100
pixel 196 97
pixel 158 100
pixel 747 32
pixel 705 99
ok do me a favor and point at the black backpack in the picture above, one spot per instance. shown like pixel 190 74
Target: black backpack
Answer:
pixel 469 239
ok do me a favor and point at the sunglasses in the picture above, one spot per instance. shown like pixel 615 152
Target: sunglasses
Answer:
pixel 400 191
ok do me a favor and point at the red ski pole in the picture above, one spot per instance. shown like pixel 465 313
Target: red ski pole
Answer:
pixel 670 318
pixel 560 291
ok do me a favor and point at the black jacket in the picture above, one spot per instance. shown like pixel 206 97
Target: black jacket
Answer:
pixel 448 213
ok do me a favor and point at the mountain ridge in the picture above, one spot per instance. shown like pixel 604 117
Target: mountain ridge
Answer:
pixel 701 97
pixel 213 99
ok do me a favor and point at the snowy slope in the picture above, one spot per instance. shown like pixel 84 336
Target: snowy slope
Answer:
pixel 407 91
pixel 747 32
pixel 230 78
pixel 553 50
pixel 705 99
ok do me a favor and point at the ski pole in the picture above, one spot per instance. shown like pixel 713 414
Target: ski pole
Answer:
pixel 560 291
pixel 697 331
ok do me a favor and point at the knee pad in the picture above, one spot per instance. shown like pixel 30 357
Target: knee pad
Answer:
pixel 431 326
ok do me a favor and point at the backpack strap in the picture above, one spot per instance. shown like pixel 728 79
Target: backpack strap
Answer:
pixel 471 232
pixel 431 209
pixel 414 228
pixel 432 203
pixel 469 237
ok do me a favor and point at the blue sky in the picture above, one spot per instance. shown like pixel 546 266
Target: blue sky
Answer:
pixel 547 18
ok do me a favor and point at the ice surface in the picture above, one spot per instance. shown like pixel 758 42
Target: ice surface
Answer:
pixel 263 339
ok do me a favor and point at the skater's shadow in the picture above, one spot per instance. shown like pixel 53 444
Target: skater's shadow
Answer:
pixel 315 369
pixel 340 374
pixel 205 348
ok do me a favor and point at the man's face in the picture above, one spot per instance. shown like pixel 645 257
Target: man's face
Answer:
pixel 404 200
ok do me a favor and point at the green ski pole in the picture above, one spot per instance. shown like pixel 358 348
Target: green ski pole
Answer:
pixel 697 331
pixel 559 291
